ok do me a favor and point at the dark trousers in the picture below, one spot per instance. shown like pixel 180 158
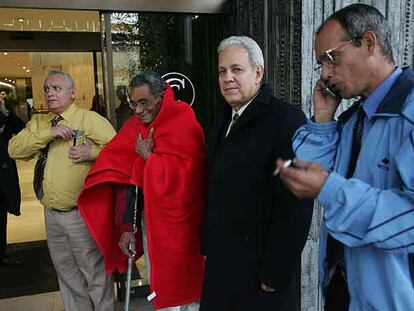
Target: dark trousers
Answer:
pixel 3 231
pixel 9 199
pixel 229 289
pixel 337 296
pixel 248 301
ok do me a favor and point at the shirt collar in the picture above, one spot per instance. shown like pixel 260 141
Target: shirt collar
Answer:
pixel 240 111
pixel 67 113
pixel 373 101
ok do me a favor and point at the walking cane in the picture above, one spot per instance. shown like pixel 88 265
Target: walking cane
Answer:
pixel 132 256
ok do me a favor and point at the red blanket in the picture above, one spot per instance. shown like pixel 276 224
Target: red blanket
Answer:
pixel 173 180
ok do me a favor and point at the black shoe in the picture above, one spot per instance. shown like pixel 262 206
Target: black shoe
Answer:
pixel 10 262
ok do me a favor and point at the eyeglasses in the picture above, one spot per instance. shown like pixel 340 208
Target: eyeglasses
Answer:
pixel 329 58
pixel 142 102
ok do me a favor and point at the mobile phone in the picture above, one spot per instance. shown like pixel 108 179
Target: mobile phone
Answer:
pixel 78 137
pixel 331 92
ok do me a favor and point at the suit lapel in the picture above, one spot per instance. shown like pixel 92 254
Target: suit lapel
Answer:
pixel 253 109
pixel 219 131
pixel 246 117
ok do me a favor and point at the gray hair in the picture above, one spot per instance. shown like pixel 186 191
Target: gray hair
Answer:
pixel 253 50
pixel 358 18
pixel 68 77
pixel 156 84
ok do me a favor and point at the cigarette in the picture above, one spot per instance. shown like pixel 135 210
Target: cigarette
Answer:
pixel 286 164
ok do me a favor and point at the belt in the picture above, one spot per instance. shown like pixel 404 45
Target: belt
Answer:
pixel 65 211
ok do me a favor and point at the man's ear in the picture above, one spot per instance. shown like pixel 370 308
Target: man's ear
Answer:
pixel 369 38
pixel 73 93
pixel 259 73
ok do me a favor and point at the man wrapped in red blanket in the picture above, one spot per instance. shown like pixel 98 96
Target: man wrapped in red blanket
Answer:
pixel 159 151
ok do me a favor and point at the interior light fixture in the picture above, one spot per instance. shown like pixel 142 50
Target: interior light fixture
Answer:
pixel 6 84
pixel 20 19
pixel 5 53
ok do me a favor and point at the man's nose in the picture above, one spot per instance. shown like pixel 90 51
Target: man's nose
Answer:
pixel 138 109
pixel 227 76
pixel 326 72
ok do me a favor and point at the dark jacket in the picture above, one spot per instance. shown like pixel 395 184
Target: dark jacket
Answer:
pixel 255 229
pixel 9 179
pixel 123 112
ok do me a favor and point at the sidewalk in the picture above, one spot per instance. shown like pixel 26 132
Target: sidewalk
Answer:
pixel 52 302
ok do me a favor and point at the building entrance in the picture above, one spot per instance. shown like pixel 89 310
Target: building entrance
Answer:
pixel 33 43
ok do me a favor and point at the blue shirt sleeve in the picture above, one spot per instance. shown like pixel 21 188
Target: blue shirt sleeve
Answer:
pixel 358 214
pixel 317 142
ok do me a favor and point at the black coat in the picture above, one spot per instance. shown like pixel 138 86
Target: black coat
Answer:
pixel 9 179
pixel 255 229
pixel 123 113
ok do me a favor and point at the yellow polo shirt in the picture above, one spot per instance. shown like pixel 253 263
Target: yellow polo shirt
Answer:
pixel 63 179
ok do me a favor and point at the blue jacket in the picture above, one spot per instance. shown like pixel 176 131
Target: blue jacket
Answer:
pixel 372 214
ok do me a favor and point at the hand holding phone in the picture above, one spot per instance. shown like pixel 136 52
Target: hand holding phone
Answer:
pixel 330 92
pixel 78 137
pixel 325 101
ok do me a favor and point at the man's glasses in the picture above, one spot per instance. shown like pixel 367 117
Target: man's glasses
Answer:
pixel 329 58
pixel 142 102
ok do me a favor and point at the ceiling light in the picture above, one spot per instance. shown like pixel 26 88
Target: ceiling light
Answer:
pixel 27 70
pixel 5 53
pixel 6 84
pixel 20 19
pixel 24 67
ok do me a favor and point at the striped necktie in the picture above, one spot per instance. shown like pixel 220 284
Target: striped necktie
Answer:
pixel 356 141
pixel 41 163
pixel 233 122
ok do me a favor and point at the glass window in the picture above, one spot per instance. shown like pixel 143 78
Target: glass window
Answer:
pixel 181 45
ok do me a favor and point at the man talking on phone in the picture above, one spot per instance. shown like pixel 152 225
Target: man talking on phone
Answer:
pixel 65 143
pixel 363 169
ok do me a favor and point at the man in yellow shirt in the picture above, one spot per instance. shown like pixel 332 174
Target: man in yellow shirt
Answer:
pixel 66 159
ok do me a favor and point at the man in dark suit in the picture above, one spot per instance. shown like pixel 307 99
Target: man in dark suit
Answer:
pixel 255 229
pixel 9 179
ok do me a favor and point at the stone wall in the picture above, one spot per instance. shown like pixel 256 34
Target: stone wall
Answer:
pixel 276 26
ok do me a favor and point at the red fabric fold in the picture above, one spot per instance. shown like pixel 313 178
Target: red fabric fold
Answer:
pixel 173 182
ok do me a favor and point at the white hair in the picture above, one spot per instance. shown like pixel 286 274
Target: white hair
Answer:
pixel 68 77
pixel 253 50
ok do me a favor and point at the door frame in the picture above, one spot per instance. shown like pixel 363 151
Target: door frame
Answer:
pixel 171 6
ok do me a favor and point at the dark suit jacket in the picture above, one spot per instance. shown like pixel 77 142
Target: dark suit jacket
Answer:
pixel 255 229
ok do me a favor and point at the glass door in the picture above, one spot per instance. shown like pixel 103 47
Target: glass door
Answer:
pixel 180 47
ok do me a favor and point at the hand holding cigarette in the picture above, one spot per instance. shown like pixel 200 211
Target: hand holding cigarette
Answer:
pixel 304 179
pixel 285 164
